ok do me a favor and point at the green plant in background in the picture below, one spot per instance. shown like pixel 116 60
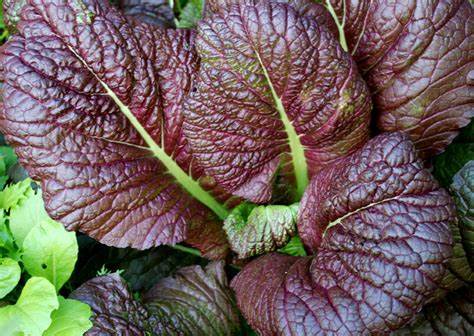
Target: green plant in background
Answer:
pixel 37 257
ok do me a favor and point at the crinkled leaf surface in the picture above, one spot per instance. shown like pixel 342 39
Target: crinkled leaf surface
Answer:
pixel 461 265
pixel 451 316
pixel 11 12
pixel 421 81
pixel 50 251
pixel 31 315
pixel 378 223
pixel 70 319
pixel 463 192
pixel 274 90
pixel 191 14
pixel 194 301
pixel 155 12
pixel 9 275
pixel 92 105
pixel 254 230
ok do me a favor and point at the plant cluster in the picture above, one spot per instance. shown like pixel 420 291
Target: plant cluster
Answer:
pixel 299 143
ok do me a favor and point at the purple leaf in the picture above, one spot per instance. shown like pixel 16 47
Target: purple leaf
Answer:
pixel 275 93
pixel 421 81
pixel 195 301
pixel 92 106
pixel 377 222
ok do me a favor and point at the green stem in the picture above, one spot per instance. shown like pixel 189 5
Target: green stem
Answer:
pixel 186 249
pixel 300 166
pixel 340 27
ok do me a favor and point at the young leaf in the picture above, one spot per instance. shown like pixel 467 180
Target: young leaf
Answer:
pixel 254 230
pixel 379 225
pixel 50 251
pixel 195 301
pixel 108 144
pixel 274 89
pixel 421 82
pixel 26 216
pixel 31 315
pixel 191 14
pixel 9 275
pixel 15 194
pixel 70 319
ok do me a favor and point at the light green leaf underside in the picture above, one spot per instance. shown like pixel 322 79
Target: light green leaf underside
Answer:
pixel 253 230
pixel 186 181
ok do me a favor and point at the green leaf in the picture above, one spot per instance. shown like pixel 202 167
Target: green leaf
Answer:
pixel 451 161
pixel 295 247
pixel 26 216
pixel 7 245
pixel 254 230
pixel 462 191
pixel 10 273
pixel 8 155
pixel 51 252
pixel 191 14
pixel 70 319
pixel 15 194
pixel 31 314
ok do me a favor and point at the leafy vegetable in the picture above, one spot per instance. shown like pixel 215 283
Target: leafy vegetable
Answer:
pixel 31 314
pixel 195 301
pixel 70 319
pixel 265 97
pixel 254 230
pixel 131 184
pixel 9 275
pixel 421 81
pixel 378 223
pixel 50 251
pixel 32 242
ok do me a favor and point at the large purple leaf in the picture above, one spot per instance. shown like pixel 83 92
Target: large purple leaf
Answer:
pixel 195 301
pixel 275 93
pixel 92 106
pixel 379 225
pixel 418 60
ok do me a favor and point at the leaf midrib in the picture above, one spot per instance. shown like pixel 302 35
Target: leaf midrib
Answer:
pixel 187 182
pixel 298 158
